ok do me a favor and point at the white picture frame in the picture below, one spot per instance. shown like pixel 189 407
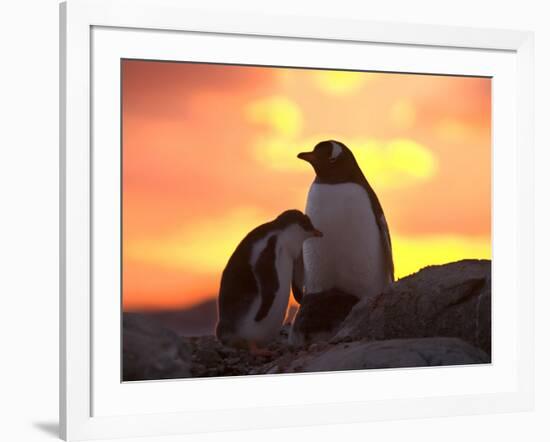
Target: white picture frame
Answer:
pixel 92 406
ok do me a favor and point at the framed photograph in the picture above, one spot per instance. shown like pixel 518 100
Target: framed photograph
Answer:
pixel 298 220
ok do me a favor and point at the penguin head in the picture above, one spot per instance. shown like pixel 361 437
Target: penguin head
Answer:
pixel 298 225
pixel 333 162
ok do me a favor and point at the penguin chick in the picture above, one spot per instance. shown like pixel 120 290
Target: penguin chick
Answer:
pixel 255 284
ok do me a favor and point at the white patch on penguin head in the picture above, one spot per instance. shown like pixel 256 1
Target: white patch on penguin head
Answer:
pixel 295 228
pixel 292 238
pixel 336 150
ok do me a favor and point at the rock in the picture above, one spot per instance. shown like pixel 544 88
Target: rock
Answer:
pixel 209 344
pixel 395 353
pixel 228 352
pixel 232 361
pixel 452 300
pixel 317 346
pixel 199 370
pixel 207 356
pixel 273 370
pixel 438 316
pixel 320 316
pixel 213 372
pixel 152 352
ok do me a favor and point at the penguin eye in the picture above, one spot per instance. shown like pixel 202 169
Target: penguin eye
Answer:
pixel 332 160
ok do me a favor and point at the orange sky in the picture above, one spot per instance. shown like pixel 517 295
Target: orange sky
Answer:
pixel 209 152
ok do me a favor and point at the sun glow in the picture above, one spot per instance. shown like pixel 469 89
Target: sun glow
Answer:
pixel 391 163
pixel 340 82
pixel 209 153
pixel 203 246
pixel 414 253
pixel 277 113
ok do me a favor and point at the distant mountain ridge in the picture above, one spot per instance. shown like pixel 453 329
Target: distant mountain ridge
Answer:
pixel 197 320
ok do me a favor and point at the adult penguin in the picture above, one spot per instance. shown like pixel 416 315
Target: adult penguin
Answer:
pixel 355 255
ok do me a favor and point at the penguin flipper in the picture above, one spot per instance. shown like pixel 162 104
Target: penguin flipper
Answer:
pixel 382 226
pixel 386 239
pixel 298 278
pixel 268 281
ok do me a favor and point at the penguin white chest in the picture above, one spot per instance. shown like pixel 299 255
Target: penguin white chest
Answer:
pixel 349 256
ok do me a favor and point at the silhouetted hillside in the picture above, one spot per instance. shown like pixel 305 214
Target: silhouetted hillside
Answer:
pixel 197 320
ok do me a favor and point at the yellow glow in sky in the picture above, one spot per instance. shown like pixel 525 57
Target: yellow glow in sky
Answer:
pixel 203 246
pixel 209 153
pixel 278 113
pixel 394 163
pixel 206 246
pixel 340 82
pixel 412 254
pixel 403 114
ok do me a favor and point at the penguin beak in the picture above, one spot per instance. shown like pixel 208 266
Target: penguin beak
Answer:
pixel 317 233
pixel 307 156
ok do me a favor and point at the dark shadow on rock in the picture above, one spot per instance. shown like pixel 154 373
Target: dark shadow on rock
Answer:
pixel 320 316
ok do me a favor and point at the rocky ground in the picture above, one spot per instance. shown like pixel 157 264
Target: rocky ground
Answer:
pixel 438 316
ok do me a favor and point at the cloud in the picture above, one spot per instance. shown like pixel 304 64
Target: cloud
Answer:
pixel 161 90
pixel 279 153
pixel 393 163
pixel 403 114
pixel 203 246
pixel 452 129
pixel 389 163
pixel 396 162
pixel 277 113
pixel 340 82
